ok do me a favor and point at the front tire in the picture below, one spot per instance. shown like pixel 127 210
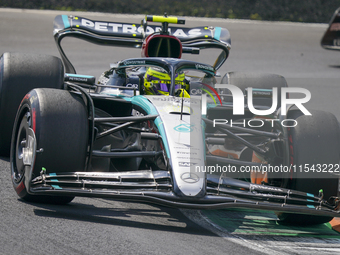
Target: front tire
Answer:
pixel 315 140
pixel 55 123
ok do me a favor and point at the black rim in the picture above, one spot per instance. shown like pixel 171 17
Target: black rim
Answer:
pixel 24 146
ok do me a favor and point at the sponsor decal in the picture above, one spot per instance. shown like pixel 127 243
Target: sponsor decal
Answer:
pixel 32 99
pixel 109 27
pixel 130 85
pixel 186 145
pixel 136 29
pixel 177 108
pixel 204 67
pixel 184 152
pixel 186 164
pixel 190 177
pixel 177 100
pixel 134 62
pixel 184 128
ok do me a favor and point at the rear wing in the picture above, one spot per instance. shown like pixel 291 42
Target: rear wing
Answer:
pixel 132 35
pixel 331 39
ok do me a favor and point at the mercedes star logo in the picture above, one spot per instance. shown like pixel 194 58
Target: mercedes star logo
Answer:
pixel 190 177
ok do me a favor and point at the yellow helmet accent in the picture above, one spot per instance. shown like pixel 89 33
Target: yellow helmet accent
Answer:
pixel 182 93
pixel 158 82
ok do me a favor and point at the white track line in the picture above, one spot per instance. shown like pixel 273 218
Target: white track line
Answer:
pixel 203 221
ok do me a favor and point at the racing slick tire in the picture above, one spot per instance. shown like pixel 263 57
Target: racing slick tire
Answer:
pixel 245 80
pixel 313 143
pixel 20 73
pixel 50 132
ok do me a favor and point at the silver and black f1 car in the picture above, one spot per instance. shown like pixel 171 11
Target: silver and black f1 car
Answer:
pixel 162 129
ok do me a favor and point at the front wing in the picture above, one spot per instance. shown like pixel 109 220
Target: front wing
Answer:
pixel 156 187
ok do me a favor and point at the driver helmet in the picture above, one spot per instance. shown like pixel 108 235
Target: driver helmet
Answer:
pixel 157 82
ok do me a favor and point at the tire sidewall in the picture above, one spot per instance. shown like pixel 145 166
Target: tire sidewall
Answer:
pixel 305 148
pixel 28 104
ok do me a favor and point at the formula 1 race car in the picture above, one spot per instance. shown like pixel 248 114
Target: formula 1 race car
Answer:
pixel 162 129
pixel 331 38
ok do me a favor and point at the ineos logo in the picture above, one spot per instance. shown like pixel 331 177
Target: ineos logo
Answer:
pixel 195 92
pixel 129 85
